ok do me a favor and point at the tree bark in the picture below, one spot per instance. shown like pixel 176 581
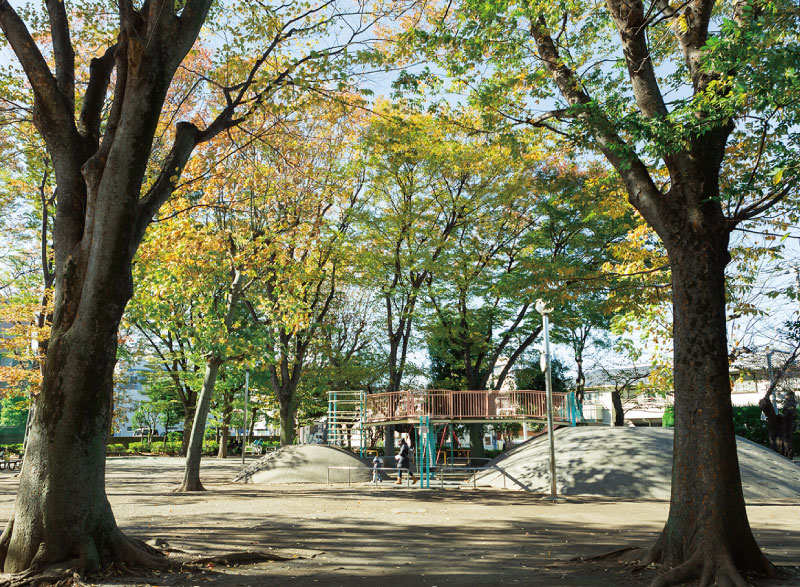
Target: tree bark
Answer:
pixel 191 475
pixel 62 485
pixel 287 411
pixel 388 443
pixel 619 413
pixel 707 533
pixel 224 432
pixel 253 415
pixel 781 426
pixel 476 450
pixel 188 422
pixel 580 382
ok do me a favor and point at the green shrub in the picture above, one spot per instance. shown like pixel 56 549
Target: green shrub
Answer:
pixel 115 448
pixel 175 436
pixel 139 447
pixel 668 419
pixel 12 448
pixel 170 448
pixel 210 447
pixel 748 424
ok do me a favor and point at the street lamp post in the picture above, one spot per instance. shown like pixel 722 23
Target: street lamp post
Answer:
pixel 542 308
pixel 244 415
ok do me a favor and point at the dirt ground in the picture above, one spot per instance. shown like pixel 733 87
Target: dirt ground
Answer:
pixel 388 535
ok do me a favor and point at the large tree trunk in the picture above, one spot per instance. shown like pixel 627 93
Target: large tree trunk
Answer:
pixel 224 434
pixel 61 511
pixel 287 414
pixel 707 533
pixel 191 475
pixel 388 444
pixel 188 422
pixel 476 450
pixel 780 426
pixel 619 412
pixel 580 383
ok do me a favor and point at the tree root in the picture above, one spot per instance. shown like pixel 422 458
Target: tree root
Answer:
pixel 614 554
pixel 129 556
pixel 188 487
pixel 240 557
pixel 708 567
pixel 52 577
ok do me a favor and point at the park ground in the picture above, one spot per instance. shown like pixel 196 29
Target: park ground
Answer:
pixel 363 534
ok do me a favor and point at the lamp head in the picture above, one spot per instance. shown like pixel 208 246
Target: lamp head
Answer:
pixel 542 307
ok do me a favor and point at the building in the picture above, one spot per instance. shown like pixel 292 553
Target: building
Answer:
pixel 642 404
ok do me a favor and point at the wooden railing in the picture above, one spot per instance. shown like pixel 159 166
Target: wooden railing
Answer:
pixel 442 404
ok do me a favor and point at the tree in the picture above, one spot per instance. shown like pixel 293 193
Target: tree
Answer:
pixel 417 177
pixel 697 84
pixel 147 415
pixel 227 397
pixel 781 424
pixel 108 190
pixel 538 235
pixel 310 185
pixel 529 375
pixel 628 383
pixel 346 353
pixel 174 359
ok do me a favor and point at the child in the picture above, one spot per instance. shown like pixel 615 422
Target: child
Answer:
pixel 376 463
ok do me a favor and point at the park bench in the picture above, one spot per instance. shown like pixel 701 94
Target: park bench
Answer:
pixel 252 449
pixel 10 464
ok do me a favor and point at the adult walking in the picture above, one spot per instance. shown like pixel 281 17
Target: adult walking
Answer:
pixel 404 462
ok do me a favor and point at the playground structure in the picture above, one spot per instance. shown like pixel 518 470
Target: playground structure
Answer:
pixel 351 412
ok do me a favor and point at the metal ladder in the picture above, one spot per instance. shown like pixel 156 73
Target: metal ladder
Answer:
pixel 345 409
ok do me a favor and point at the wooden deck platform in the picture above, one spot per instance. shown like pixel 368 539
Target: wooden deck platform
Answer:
pixel 464 406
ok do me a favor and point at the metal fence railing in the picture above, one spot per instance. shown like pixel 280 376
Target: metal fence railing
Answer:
pixel 440 473
pixel 464 405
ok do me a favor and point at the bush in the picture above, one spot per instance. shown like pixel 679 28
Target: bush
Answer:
pixel 11 448
pixel 175 436
pixel 668 419
pixel 748 424
pixel 115 448
pixel 170 448
pixel 139 447
pixel 210 447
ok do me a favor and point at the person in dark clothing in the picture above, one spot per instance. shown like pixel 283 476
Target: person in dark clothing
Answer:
pixel 377 463
pixel 404 462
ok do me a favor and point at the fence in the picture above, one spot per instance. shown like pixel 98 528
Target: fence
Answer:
pixel 464 405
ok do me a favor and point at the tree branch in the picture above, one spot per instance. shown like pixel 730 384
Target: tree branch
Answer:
pixel 761 205
pixel 63 52
pixel 94 98
pixel 182 147
pixel 691 31
pixel 642 192
pixel 48 99
pixel 629 17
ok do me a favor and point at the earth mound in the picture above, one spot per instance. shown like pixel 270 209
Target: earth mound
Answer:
pixel 305 463
pixel 629 463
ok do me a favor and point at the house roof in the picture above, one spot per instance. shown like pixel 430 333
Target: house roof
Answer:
pixel 608 377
